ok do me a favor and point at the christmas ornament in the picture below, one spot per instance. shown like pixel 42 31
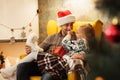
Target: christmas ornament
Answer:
pixel 39 11
pixel 112 33
pixel 30 24
pixel 12 40
pixel 23 34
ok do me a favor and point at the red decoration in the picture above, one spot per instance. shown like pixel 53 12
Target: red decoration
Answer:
pixel 59 50
pixel 112 33
pixel 63 13
pixel 30 24
pixel 39 11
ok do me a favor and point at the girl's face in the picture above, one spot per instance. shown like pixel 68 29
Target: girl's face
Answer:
pixel 78 34
pixel 67 27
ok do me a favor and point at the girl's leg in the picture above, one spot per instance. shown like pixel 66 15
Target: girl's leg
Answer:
pixel 8 72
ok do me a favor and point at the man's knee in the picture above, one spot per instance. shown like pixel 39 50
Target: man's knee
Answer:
pixel 48 76
pixel 21 66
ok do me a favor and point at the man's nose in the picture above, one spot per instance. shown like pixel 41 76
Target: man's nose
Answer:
pixel 69 27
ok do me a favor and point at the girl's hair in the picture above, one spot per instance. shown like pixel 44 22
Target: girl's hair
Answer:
pixel 89 33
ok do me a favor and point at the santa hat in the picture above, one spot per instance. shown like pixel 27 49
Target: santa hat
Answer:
pixel 65 17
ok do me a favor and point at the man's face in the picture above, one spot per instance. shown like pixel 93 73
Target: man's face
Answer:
pixel 67 27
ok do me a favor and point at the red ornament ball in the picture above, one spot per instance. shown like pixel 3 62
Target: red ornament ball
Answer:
pixel 112 33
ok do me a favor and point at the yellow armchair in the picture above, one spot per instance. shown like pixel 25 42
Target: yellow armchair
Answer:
pixel 97 25
pixel 53 28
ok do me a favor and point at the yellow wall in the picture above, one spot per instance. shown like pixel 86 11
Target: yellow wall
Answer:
pixel 12 51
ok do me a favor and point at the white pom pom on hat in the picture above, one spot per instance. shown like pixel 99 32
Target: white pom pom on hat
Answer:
pixel 65 17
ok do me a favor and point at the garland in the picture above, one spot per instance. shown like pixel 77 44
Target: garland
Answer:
pixel 23 33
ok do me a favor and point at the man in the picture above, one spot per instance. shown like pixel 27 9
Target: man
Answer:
pixel 65 22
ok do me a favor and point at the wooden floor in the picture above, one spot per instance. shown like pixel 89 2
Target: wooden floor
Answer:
pixel 1 78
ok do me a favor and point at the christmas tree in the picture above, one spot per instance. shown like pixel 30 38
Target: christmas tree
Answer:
pixel 1 58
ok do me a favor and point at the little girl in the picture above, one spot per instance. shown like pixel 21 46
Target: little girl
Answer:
pixel 80 46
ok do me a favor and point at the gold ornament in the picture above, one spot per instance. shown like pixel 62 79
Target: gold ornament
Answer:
pixel 23 34
pixel 12 40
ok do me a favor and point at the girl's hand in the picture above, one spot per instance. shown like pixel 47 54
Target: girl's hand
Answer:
pixel 70 32
pixel 78 56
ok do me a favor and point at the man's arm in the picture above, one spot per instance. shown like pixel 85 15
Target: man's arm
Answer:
pixel 44 45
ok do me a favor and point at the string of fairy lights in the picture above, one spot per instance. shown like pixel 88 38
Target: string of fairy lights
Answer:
pixel 23 33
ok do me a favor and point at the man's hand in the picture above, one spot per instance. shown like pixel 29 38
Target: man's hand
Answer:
pixel 27 49
pixel 78 56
